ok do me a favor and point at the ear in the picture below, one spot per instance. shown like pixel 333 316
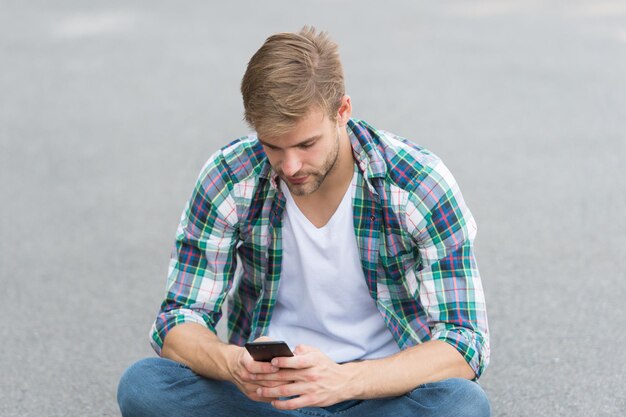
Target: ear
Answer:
pixel 345 111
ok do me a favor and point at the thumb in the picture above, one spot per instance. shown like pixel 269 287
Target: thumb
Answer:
pixel 302 349
pixel 263 339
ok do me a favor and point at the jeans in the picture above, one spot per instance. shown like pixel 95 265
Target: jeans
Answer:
pixel 160 387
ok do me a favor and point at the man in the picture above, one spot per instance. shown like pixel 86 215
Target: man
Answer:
pixel 353 245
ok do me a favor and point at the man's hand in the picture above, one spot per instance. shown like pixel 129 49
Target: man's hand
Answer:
pixel 250 376
pixel 311 376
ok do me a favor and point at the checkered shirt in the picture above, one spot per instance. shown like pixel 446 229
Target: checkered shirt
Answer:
pixel 414 233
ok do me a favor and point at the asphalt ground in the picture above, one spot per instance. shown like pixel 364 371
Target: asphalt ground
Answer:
pixel 108 110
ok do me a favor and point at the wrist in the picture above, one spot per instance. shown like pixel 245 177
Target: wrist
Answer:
pixel 355 381
pixel 230 359
pixel 219 358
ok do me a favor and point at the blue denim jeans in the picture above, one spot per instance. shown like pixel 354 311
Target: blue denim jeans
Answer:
pixel 160 387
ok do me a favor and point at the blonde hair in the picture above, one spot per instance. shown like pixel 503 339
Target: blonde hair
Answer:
pixel 287 76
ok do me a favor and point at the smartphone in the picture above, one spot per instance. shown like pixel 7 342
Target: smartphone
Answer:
pixel 266 351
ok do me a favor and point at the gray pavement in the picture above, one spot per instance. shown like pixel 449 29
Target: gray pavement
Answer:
pixel 109 109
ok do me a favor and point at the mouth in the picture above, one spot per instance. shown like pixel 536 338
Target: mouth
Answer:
pixel 297 180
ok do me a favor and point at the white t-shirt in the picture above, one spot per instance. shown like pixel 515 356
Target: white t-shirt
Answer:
pixel 323 299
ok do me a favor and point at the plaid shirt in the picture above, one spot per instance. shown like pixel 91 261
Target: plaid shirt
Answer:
pixel 413 229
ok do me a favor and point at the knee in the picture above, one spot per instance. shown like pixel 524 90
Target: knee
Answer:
pixel 140 389
pixel 470 398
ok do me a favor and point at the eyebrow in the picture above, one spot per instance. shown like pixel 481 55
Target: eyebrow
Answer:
pixel 302 142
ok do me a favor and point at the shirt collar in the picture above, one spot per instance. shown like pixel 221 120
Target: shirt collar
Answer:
pixel 367 153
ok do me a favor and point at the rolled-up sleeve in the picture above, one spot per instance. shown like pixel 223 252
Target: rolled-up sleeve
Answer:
pixel 449 284
pixel 202 264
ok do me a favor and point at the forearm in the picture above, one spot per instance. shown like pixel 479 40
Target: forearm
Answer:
pixel 200 349
pixel 398 374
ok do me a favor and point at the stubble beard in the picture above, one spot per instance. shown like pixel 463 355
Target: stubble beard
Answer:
pixel 318 177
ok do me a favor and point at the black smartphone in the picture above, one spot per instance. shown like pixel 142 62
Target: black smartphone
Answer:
pixel 266 351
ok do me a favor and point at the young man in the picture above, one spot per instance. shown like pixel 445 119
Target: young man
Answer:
pixel 353 245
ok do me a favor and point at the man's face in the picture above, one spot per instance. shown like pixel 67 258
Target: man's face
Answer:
pixel 304 156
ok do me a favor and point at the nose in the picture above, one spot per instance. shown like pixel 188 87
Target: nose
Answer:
pixel 291 163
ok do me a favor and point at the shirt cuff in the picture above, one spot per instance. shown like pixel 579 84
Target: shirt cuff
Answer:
pixel 166 321
pixel 474 347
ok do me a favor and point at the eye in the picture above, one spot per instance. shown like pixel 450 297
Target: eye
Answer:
pixel 306 145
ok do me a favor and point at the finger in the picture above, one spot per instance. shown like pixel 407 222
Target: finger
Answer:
pixel 302 349
pixel 283 375
pixel 263 339
pixel 273 384
pixel 250 391
pixel 286 390
pixel 255 397
pixel 255 367
pixel 294 403
pixel 302 361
